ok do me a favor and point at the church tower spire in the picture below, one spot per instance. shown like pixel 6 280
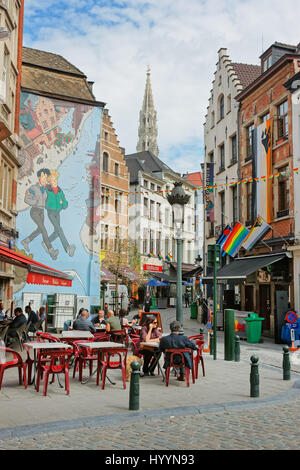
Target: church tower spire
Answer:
pixel 148 122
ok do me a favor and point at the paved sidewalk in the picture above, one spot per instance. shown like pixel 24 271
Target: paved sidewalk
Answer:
pixel 225 386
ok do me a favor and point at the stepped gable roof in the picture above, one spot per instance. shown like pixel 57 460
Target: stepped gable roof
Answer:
pixel 246 73
pixel 51 75
pixel 147 162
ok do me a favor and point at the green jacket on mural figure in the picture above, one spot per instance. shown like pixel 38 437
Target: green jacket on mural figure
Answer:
pixel 56 200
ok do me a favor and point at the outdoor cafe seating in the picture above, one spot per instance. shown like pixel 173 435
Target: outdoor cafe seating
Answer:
pixel 198 339
pixel 113 359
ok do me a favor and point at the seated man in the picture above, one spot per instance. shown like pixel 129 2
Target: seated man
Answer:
pixel 83 323
pixel 32 317
pixel 177 341
pixel 18 321
pixel 99 318
pixel 112 322
pixel 136 318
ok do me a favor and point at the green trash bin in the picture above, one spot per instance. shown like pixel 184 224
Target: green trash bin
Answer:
pixel 194 310
pixel 153 306
pixel 253 327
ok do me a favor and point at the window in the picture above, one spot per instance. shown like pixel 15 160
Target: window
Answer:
pixel 249 204
pixel 283 192
pixel 6 185
pixel 212 119
pixel 228 103
pixel 4 75
pixel 283 120
pixel 106 136
pixel 152 210
pixel 105 162
pixel 234 204
pixel 152 187
pixel 267 63
pixel 222 157
pixel 265 117
pixel 249 141
pixel 104 237
pixel 116 169
pixel 158 242
pixel 222 206
pixel 146 183
pixel 145 242
pixel 159 212
pixel 146 207
pixel 151 241
pixel 233 149
pixel 118 203
pixel 221 107
pixel 167 216
pixel 166 246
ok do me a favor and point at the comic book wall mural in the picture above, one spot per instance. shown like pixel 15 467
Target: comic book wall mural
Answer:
pixel 59 191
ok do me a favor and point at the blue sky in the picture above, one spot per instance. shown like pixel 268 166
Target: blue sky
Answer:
pixel 112 42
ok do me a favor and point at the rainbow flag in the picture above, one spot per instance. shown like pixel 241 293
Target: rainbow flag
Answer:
pixel 168 257
pixel 151 255
pixel 235 239
pixel 160 256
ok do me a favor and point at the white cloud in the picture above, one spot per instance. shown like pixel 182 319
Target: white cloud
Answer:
pixel 112 43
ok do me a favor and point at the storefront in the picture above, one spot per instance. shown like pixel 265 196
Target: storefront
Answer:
pixel 257 284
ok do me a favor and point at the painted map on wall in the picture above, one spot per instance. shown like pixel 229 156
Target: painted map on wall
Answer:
pixel 59 191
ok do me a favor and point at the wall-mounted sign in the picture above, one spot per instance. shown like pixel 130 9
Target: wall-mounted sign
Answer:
pixel 152 267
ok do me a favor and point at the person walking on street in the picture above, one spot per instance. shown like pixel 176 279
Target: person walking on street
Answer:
pixel 148 303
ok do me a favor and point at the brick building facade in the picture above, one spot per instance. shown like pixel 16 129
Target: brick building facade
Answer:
pixel 267 100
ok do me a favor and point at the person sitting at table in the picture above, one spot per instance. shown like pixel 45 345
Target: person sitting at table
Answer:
pixel 83 323
pixel 18 321
pixel 2 311
pixel 136 318
pixel 32 318
pixel 99 318
pixel 177 341
pixel 112 322
pixel 149 333
pixel 67 323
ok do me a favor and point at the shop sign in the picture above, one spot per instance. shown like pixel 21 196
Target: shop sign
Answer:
pixel 152 267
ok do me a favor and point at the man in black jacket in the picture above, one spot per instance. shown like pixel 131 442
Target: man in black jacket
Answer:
pixel 177 341
pixel 18 321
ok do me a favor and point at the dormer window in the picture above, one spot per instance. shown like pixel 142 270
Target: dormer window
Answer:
pixel 267 63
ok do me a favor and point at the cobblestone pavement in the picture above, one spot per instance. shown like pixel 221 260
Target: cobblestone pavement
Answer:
pixel 263 428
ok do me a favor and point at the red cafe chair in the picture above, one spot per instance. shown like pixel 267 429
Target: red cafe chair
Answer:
pixel 173 363
pixel 15 361
pixel 53 362
pixel 109 362
pixel 199 341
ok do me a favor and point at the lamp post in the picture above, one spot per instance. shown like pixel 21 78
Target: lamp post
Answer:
pixel 178 198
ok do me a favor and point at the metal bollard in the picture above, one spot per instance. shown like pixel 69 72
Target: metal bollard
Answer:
pixel 237 349
pixel 286 365
pixel 254 377
pixel 211 343
pixel 134 391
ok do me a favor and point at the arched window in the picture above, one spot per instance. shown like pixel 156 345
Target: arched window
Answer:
pixel 105 162
pixel 221 107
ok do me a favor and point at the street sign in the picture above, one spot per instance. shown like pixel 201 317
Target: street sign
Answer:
pixel 291 316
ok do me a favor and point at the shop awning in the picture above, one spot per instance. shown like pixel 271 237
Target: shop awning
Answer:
pixel 106 275
pixel 37 273
pixel 240 268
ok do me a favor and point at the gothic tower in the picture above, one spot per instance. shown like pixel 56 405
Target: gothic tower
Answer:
pixel 148 122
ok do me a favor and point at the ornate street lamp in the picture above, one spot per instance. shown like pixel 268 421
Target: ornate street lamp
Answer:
pixel 178 199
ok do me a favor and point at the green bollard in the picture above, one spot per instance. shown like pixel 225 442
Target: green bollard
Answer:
pixel 211 343
pixel 237 349
pixel 134 392
pixel 286 365
pixel 254 377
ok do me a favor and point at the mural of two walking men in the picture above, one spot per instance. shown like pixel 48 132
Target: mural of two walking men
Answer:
pixel 47 195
